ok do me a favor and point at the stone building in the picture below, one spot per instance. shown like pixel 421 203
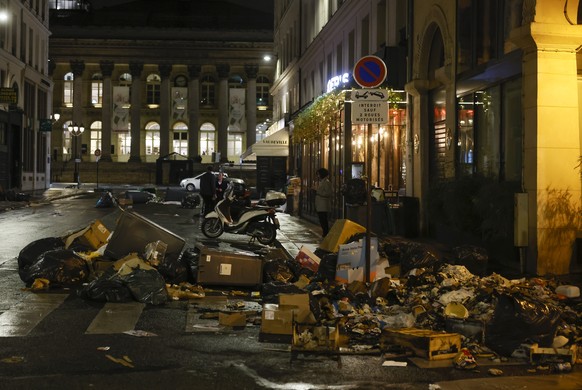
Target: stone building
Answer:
pixel 484 145
pixel 25 96
pixel 150 80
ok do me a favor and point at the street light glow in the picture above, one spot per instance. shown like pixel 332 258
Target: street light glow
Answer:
pixel 3 16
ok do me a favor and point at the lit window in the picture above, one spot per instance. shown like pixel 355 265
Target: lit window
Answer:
pixel 207 134
pixel 97 90
pixel 180 142
pixel 152 138
pixel 95 136
pixel 153 90
pixel 262 93
pixel 234 144
pixel 68 89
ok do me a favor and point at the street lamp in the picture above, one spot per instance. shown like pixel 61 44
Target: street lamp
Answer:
pixel 76 130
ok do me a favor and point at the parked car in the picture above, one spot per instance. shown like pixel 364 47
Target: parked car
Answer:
pixel 193 183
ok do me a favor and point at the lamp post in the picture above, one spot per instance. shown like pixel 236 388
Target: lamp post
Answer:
pixel 76 131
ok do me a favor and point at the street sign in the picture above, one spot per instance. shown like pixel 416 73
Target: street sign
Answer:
pixel 8 95
pixel 373 111
pixel 369 94
pixel 370 72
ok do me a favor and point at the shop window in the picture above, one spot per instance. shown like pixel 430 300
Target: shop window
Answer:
pixel 152 138
pixel 180 138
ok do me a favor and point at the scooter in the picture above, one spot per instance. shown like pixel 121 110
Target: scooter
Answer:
pixel 259 222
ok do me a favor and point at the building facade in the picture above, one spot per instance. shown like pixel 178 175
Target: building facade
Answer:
pixel 149 80
pixel 25 96
pixel 488 141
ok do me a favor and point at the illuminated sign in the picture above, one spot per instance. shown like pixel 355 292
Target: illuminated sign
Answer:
pixel 336 81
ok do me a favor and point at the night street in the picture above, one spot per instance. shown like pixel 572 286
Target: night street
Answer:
pixel 55 339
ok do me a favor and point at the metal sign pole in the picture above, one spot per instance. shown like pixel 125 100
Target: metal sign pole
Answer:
pixel 368 201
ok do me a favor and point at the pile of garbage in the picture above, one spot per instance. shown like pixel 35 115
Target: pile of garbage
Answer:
pixel 415 297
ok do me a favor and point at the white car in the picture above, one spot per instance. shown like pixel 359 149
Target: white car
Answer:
pixel 193 183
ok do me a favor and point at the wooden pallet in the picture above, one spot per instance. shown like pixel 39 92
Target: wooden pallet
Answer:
pixel 424 343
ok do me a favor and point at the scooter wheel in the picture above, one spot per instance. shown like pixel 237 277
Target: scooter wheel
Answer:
pixel 212 227
pixel 266 233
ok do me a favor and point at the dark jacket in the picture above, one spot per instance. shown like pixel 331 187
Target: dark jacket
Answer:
pixel 208 184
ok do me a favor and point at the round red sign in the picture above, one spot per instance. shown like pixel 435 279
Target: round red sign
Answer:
pixel 370 72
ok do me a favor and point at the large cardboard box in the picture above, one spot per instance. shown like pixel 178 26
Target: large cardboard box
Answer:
pixel 93 236
pixel 340 233
pixel 279 318
pixel 351 262
pixel 229 268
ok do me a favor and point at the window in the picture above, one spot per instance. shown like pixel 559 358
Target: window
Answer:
pixel 125 80
pixel 235 81
pixel 207 91
pixel 124 143
pixel 67 138
pixel 97 90
pixel 95 136
pixel 234 144
pixel 180 142
pixel 207 134
pixel 68 89
pixel 262 92
pixel 153 90
pixel 152 138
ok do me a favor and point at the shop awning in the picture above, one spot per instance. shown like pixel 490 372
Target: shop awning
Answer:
pixel 276 144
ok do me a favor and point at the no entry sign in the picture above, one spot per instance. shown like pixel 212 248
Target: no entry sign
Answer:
pixel 370 72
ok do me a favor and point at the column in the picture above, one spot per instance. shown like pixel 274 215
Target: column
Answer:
pixel 193 110
pixel 251 104
pixel 135 68
pixel 165 107
pixel 106 71
pixel 222 147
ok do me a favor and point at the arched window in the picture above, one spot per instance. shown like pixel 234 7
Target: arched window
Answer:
pixel 207 91
pixel 68 89
pixel 97 90
pixel 125 80
pixel 263 86
pixel 152 138
pixel 235 81
pixel 207 134
pixel 180 143
pixel 153 90
pixel 95 136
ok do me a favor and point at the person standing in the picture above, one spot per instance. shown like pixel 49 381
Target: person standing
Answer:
pixel 221 185
pixel 323 199
pixel 208 190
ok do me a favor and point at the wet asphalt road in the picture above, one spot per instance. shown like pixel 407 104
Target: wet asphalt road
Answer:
pixel 59 354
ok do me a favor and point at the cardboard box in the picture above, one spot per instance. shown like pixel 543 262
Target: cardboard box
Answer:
pixel 94 236
pixel 340 233
pixel 221 268
pixel 236 319
pixel 307 259
pixel 292 308
pixel 423 342
pixel 351 262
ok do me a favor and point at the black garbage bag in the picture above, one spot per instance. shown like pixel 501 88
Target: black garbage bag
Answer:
pixel 270 291
pixel 109 287
pixel 518 319
pixel 277 270
pixel 299 270
pixel 327 268
pixel 60 266
pixel 190 258
pixel 190 201
pixel 354 192
pixel 105 200
pixel 146 286
pixel 417 256
pixel 474 258
pixel 30 253
pixel 174 271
